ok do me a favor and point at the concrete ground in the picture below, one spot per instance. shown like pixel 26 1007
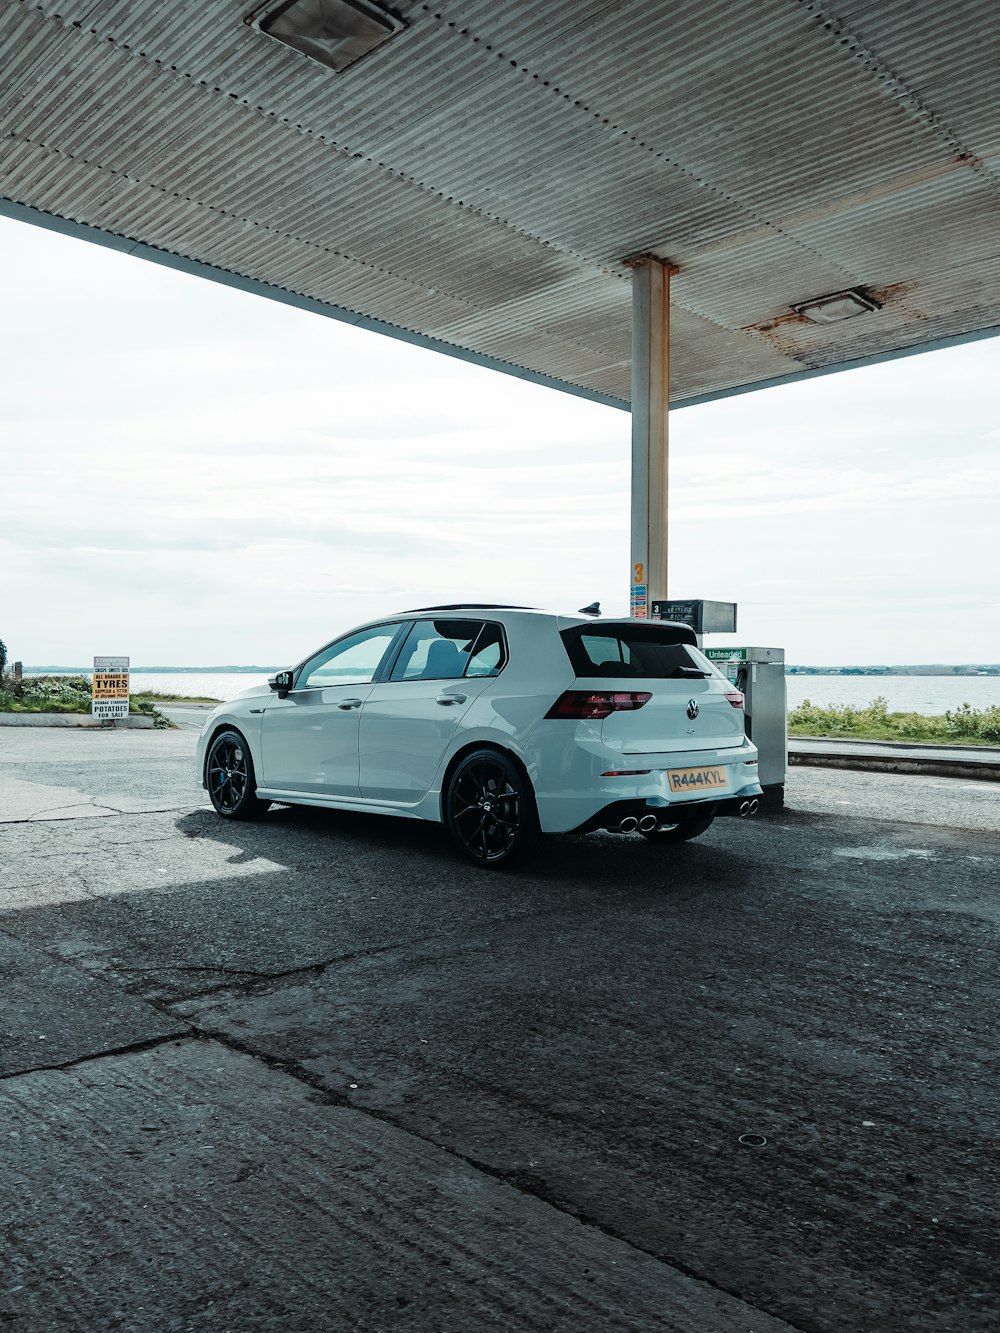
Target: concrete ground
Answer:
pixel 318 1073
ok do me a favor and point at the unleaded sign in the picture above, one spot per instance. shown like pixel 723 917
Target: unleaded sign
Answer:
pixel 109 694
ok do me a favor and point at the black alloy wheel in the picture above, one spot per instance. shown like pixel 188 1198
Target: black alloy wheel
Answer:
pixel 229 776
pixel 694 828
pixel 490 809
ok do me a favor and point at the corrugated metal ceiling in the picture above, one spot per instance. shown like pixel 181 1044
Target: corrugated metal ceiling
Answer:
pixel 477 181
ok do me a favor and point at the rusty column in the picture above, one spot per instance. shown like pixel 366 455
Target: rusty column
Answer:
pixel 650 402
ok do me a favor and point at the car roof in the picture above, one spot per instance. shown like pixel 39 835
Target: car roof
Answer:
pixel 468 606
pixel 564 619
pixel 504 611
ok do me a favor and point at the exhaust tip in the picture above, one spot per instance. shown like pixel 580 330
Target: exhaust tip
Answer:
pixel 629 824
pixel 754 806
pixel 744 809
pixel 647 823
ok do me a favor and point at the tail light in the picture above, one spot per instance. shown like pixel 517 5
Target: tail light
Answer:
pixel 592 705
pixel 735 697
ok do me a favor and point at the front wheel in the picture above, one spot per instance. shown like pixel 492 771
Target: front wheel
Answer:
pixel 490 809
pixel 229 776
pixel 694 828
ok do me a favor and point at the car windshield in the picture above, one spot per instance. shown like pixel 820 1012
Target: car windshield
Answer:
pixel 647 652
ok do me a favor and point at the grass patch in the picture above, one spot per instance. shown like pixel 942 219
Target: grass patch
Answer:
pixel 64 694
pixel 873 722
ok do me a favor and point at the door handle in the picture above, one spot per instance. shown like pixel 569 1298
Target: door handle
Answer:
pixel 446 700
pixel 350 703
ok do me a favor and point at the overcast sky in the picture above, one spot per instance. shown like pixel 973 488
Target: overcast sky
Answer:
pixel 195 476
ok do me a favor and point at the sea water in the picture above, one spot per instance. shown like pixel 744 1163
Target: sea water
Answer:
pixel 904 694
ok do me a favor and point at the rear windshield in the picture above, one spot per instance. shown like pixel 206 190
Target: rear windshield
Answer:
pixel 649 652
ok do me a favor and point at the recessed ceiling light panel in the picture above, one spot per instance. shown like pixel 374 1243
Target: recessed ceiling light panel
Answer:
pixel 835 307
pixel 334 32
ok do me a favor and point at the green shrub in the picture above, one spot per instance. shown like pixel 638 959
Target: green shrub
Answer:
pixel 966 725
pixel 917 726
pixel 840 720
pixel 47 694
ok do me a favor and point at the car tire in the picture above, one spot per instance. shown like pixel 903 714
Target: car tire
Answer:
pixel 694 828
pixel 230 779
pixel 490 811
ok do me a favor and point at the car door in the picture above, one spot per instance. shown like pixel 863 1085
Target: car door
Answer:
pixel 409 719
pixel 309 740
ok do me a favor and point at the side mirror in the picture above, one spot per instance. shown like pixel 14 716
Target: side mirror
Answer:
pixel 281 683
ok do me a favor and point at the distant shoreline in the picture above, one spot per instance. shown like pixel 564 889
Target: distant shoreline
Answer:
pixel 965 670
pixel 163 670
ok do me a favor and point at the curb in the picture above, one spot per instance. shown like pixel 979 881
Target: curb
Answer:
pixel 944 747
pixel 975 770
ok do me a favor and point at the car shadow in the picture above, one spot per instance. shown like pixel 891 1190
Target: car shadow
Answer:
pixel 385 845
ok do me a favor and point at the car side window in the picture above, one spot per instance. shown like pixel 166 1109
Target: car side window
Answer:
pixel 437 650
pixel 350 661
pixel 489 656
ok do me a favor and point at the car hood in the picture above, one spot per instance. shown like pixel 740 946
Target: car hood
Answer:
pixel 250 693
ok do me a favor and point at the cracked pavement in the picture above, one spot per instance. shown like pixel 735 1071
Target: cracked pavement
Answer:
pixel 317 1073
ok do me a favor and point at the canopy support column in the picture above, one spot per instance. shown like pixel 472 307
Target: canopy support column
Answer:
pixel 650 403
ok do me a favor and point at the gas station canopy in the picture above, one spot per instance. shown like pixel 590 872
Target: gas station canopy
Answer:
pixel 474 176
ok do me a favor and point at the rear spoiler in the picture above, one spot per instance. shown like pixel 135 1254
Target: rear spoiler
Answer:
pixel 652 631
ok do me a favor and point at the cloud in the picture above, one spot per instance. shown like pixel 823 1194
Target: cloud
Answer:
pixel 192 474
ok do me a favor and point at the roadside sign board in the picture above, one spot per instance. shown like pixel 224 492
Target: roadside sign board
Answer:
pixel 109 694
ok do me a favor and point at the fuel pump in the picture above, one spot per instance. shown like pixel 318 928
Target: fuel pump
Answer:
pixel 759 673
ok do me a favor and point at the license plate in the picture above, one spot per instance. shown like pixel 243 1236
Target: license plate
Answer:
pixel 696 779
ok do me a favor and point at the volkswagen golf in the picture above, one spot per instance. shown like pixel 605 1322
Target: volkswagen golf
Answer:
pixel 502 723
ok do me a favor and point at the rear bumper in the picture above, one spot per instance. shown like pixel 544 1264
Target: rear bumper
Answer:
pixel 742 806
pixel 593 783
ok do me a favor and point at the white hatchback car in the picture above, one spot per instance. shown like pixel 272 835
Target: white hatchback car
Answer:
pixel 500 722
